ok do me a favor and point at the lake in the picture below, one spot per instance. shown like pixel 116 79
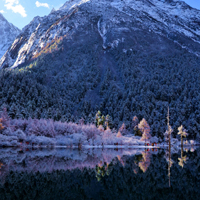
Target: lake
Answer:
pixel 99 174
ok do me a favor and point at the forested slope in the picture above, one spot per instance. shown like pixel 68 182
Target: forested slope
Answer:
pixel 124 58
pixel 140 85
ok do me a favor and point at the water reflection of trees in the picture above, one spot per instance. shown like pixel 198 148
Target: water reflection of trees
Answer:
pixel 102 170
pixel 1 164
pixel 116 172
pixel 169 161
pixel 144 164
pixel 182 159
pixel 100 160
pixel 141 161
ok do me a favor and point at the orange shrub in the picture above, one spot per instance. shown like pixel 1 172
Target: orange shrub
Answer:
pixel 1 125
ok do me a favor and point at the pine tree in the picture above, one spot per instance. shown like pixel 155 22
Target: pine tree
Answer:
pixel 13 111
pixel 108 122
pixel 102 120
pixel 198 137
pixel 135 122
pixel 5 120
pixel 119 134
pixel 122 129
pixel 98 118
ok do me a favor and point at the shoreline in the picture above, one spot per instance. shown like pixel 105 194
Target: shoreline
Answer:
pixel 159 146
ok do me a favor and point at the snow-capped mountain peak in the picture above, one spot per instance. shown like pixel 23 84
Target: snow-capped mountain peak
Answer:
pixel 73 3
pixel 115 22
pixel 8 32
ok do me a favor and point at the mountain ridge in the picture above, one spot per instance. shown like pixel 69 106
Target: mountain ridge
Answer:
pixel 165 19
pixel 8 33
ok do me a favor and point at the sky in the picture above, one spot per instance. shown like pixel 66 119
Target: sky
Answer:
pixel 193 3
pixel 21 12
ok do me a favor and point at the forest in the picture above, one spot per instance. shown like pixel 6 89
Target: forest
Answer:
pixel 73 87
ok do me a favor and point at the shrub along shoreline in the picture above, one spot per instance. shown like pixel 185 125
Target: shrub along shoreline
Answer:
pixel 49 133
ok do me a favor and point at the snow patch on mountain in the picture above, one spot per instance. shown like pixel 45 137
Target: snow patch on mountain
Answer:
pixel 8 32
pixel 173 19
pixel 73 3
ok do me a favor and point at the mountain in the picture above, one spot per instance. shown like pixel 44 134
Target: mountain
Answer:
pixel 115 23
pixel 125 58
pixel 8 33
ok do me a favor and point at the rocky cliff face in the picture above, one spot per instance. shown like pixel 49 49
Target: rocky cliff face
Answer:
pixel 8 33
pixel 140 25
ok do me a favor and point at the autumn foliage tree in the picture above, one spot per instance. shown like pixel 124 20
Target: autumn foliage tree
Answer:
pixel 182 132
pixel 135 128
pixel 1 125
pixel 145 129
pixel 4 120
pixel 122 129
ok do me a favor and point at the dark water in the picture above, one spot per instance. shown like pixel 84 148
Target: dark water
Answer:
pixel 99 174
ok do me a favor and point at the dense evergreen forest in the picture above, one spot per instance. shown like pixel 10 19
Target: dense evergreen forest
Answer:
pixel 123 84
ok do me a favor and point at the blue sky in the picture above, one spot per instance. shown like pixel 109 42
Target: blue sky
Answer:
pixel 193 3
pixel 21 12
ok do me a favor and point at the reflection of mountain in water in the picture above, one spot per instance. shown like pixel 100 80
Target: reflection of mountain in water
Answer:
pixel 69 174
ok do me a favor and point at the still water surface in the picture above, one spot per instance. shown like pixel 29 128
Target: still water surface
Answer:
pixel 99 174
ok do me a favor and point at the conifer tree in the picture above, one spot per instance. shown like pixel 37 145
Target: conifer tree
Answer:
pixel 122 129
pixel 108 121
pixel 119 134
pixel 5 119
pixel 145 129
pixel 102 120
pixel 135 122
pixel 98 118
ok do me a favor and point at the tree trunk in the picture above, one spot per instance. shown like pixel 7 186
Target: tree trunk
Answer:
pixel 181 141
